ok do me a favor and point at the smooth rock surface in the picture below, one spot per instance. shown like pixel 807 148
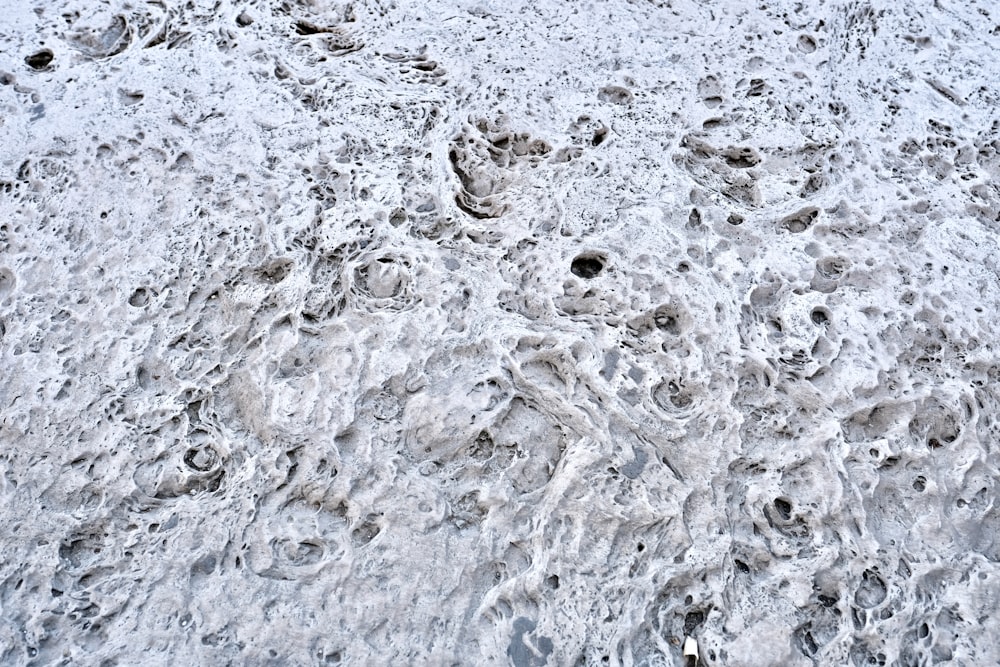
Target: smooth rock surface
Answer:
pixel 485 333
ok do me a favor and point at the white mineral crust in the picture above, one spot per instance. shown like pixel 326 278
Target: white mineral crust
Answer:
pixel 401 332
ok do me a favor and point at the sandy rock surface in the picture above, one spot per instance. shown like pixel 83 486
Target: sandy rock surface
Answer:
pixel 487 333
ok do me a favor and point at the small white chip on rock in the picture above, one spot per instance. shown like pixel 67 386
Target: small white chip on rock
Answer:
pixel 690 649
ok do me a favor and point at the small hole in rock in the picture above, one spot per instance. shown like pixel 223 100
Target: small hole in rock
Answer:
pixel 807 44
pixel 800 221
pixel 784 508
pixel 587 266
pixel 692 620
pixel 398 217
pixel 819 317
pixel 139 298
pixel 666 319
pixel 306 28
pixel 39 60
pixel 741 158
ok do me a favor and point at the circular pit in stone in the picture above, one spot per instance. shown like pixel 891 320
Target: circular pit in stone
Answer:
pixel 39 60
pixel 587 266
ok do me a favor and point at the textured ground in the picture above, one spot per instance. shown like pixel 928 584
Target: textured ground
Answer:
pixel 485 333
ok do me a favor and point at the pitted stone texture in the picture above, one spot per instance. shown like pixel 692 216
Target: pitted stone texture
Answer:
pixel 529 333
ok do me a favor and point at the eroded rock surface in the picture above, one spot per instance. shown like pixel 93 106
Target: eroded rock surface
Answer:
pixel 530 333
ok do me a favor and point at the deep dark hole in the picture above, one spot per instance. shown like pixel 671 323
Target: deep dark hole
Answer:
pixel 819 317
pixel 306 28
pixel 692 620
pixel 39 60
pixel 586 267
pixel 784 508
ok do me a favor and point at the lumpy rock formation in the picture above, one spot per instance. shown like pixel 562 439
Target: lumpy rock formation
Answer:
pixel 499 333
